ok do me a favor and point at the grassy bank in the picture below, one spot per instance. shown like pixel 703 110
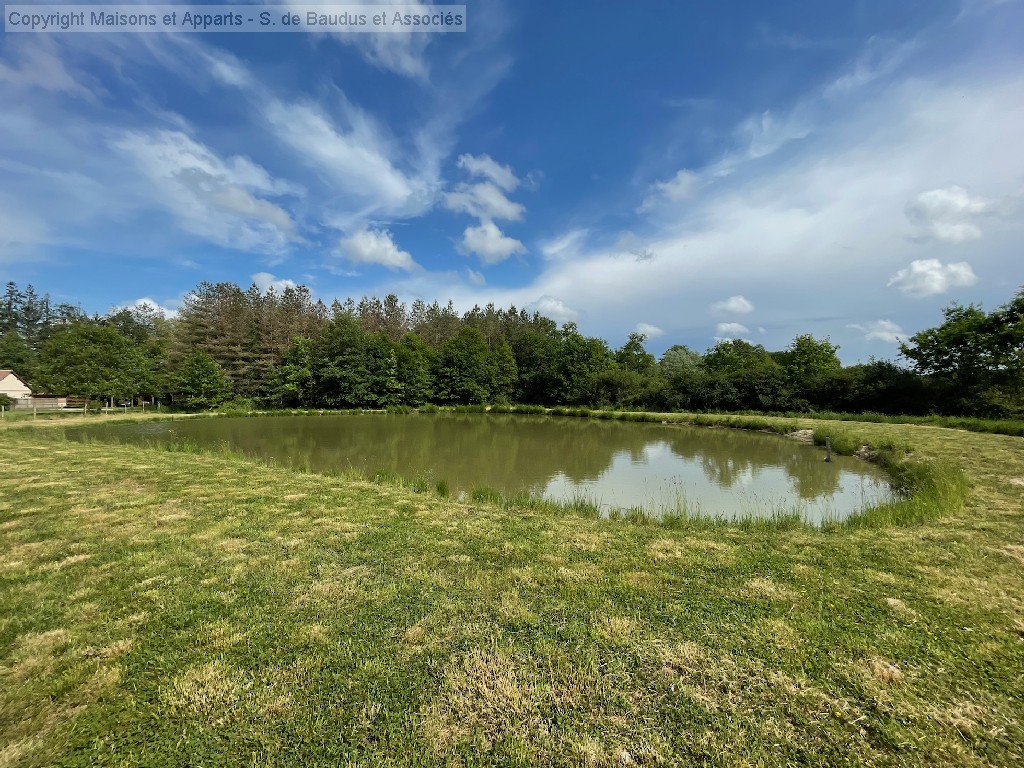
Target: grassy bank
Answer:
pixel 162 608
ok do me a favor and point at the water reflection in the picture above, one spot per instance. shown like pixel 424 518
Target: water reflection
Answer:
pixel 622 465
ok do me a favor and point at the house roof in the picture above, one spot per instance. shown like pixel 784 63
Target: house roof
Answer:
pixel 5 374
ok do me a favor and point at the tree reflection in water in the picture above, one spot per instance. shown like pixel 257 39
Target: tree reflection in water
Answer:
pixel 637 464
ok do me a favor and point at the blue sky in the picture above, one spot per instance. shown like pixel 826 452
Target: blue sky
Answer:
pixel 696 171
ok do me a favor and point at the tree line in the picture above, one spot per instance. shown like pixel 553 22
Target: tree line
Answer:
pixel 285 349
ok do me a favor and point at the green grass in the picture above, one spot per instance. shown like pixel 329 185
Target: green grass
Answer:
pixel 171 608
pixel 1014 427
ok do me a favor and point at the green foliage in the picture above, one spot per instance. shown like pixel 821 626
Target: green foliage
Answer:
pixel 504 371
pixel 464 371
pixel 842 441
pixel 292 380
pixel 201 383
pixel 537 352
pixel 17 356
pixel 92 360
pixel 581 361
pixel 810 366
pixel 380 385
pixel 679 362
pixel 977 357
pixel 744 376
pixel 414 360
pixel 633 357
pixel 284 350
pixel 529 409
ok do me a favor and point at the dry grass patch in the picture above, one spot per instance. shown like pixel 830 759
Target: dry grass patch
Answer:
pixel 767 588
pixel 415 635
pixel 667 549
pixel 781 633
pixel 619 630
pixel 485 696
pixel 114 650
pixel 901 608
pixel 683 658
pixel 211 693
pixel 883 670
pixel 35 656
pixel 971 720
pixel 579 574
pixel 514 610
pixel 64 563
pixel 587 541
pixel 315 633
pixel 1016 551
pixel 222 635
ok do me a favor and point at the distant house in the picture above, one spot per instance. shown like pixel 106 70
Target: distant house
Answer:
pixel 13 387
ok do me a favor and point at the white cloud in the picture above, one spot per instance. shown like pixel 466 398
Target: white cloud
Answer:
pixel 737 304
pixel 490 243
pixel 880 57
pixel 211 197
pixel 765 133
pixel 371 174
pixel 565 246
pixel 881 330
pixel 485 166
pixel 949 214
pixel 168 310
pixel 375 246
pixel 554 308
pixel 730 330
pixel 400 52
pixel 648 330
pixel 41 67
pixel 266 281
pixel 485 201
pixel 355 160
pixel 830 213
pixel 476 278
pixel 681 187
pixel 928 277
pixel 21 231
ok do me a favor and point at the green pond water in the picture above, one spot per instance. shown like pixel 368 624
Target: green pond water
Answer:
pixel 618 465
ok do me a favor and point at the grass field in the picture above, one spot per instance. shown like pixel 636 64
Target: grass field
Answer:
pixel 161 608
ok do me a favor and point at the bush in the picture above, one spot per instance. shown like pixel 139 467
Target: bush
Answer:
pixel 536 410
pixel 238 405
pixel 842 441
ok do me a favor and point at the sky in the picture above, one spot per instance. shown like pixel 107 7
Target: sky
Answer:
pixel 694 171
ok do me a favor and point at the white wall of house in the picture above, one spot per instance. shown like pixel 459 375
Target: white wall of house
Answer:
pixel 13 387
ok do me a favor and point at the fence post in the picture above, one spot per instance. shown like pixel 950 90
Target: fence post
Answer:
pixel 828 449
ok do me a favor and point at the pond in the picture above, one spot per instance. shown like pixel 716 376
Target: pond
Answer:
pixel 619 465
